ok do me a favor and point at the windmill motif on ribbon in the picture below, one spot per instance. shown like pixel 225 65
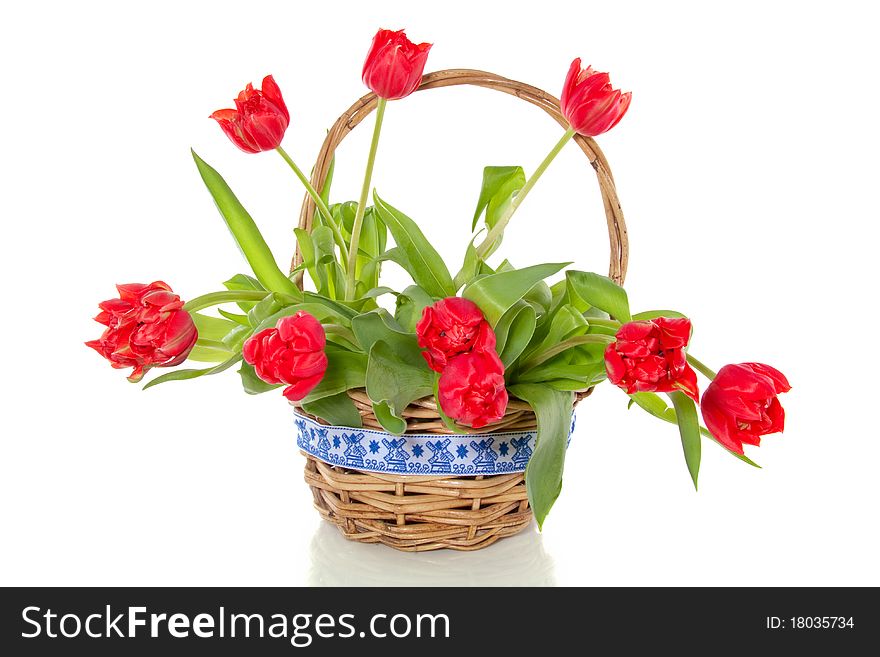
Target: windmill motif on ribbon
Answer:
pixel 441 460
pixel 397 456
pixel 523 451
pixel 485 459
pixel 302 434
pixel 323 442
pixel 354 452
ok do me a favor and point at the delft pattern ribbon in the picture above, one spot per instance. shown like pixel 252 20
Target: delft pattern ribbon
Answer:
pixel 417 454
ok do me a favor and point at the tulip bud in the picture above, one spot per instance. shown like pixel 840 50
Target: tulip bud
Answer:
pixel 471 389
pixel 394 65
pixel 451 327
pixel 649 356
pixel 741 404
pixel 589 103
pixel 146 327
pixel 292 353
pixel 259 119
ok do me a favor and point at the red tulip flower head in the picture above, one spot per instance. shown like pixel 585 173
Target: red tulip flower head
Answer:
pixel 649 356
pixel 259 119
pixel 450 327
pixel 394 65
pixel 471 388
pixel 146 327
pixel 589 103
pixel 740 405
pixel 292 353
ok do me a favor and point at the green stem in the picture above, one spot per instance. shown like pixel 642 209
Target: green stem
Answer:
pixel 316 197
pixel 700 367
pixel 498 228
pixel 216 298
pixel 362 203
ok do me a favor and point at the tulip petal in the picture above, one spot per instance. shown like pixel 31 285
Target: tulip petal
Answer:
pixel 272 93
pixel 780 383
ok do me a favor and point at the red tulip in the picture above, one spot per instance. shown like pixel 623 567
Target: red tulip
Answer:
pixel 589 103
pixel 292 353
pixel 451 327
pixel 394 65
pixel 259 119
pixel 146 327
pixel 740 405
pixel 649 356
pixel 471 388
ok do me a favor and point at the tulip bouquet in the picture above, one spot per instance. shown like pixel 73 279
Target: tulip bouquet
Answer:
pixel 483 351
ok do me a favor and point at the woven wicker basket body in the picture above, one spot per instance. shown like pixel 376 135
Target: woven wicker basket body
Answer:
pixel 415 512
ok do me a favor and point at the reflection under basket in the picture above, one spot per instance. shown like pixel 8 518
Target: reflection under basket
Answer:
pixel 518 561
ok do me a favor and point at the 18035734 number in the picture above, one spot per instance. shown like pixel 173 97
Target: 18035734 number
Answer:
pixel 810 623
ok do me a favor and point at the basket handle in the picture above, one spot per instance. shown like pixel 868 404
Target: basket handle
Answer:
pixel 451 77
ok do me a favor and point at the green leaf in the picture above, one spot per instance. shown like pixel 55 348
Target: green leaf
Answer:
pixel 496 293
pixel 500 185
pixel 514 331
pixel 566 322
pixel 544 471
pixel 319 259
pixel 540 297
pixel 374 234
pixel 242 320
pixel 183 375
pixel 338 307
pixel 339 410
pixel 379 325
pixel 654 314
pixel 212 328
pixel 394 382
pixel 245 231
pixel 328 181
pixel 470 268
pixel 654 405
pixel 376 292
pixel 344 214
pixel 209 351
pixel 689 427
pixel 244 282
pixel 307 250
pixel 325 248
pixel 267 313
pixel 598 291
pixel 426 267
pixel 448 421
pixel 411 303
pixel 319 311
pixel 566 384
pixel 345 370
pixel 252 384
pixel 572 343
pixel 559 292
pixel 585 375
pixel 391 422
pixel 341 336
pixel 263 310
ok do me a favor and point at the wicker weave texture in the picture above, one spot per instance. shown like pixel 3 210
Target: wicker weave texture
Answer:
pixel 420 513
pixel 415 513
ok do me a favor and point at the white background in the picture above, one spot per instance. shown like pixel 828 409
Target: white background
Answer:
pixel 747 170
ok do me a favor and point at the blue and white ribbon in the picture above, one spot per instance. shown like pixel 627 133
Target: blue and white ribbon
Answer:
pixel 417 454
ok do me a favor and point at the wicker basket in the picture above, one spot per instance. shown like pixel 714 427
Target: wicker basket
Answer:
pixel 425 512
